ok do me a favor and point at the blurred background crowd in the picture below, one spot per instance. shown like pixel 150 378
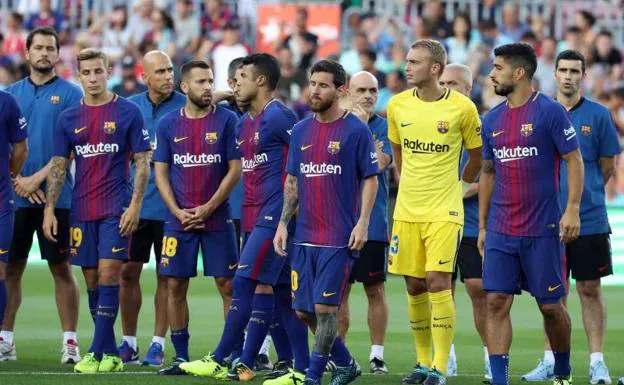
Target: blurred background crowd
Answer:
pixel 361 34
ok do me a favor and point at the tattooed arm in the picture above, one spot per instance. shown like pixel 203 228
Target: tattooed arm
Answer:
pixel 130 218
pixel 288 210
pixel 54 183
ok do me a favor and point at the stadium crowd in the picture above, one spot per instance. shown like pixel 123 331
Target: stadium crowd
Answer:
pixel 201 49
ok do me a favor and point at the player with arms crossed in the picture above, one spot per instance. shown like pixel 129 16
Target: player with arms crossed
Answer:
pixel 589 256
pixel 13 154
pixel 332 165
pixel 521 228
pixel 428 126
pixel 102 131
pixel 370 268
pixel 197 165
pixel 458 77
pixel 42 96
pixel 159 99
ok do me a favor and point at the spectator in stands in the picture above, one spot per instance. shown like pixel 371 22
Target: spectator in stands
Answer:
pixel 5 60
pixel 129 81
pixel 292 79
pixel 491 37
pixel 512 27
pixel 585 21
pixel 215 16
pixel 379 38
pixel 224 52
pixel 7 75
pixel 546 66
pixel 606 55
pixel 487 9
pixel 14 43
pixel 116 36
pixel 367 62
pixel 529 38
pixel 422 28
pixel 440 27
pixel 46 17
pixel 162 32
pixel 302 42
pixel 538 27
pixel 462 41
pixel 140 22
pixel 395 83
pixel 350 59
pixel 396 62
pixel 187 29
pixel 571 40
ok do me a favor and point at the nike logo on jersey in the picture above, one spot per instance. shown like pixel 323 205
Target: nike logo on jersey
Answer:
pixel 303 148
pixel 239 142
pixel 406 124
pixel 177 140
pixel 79 130
pixel 553 288
pixel 2 252
pixel 232 266
pixel 326 294
pixel 495 134
pixel 118 249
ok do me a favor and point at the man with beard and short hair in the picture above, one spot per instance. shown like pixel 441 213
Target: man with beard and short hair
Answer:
pixel 428 126
pixel 588 258
pixel 371 267
pixel 331 169
pixel 522 235
pixel 42 96
pixel 159 99
pixel 197 163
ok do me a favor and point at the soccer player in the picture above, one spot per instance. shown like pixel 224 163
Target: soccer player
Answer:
pixel 159 99
pixel 458 77
pixel 42 96
pixel 13 154
pixel 521 228
pixel 370 268
pixel 102 131
pixel 589 256
pixel 261 286
pixel 428 125
pixel 197 165
pixel 332 170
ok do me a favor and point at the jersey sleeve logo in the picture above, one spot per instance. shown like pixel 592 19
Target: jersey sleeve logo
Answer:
pixel 586 130
pixel 526 129
pixel 569 132
pixel 333 147
pixel 211 137
pixel 110 128
pixel 443 126
pixel 55 99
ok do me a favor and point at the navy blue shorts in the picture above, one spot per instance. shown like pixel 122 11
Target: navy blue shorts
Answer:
pixel 534 264
pixel 259 261
pixel 6 233
pixel 319 275
pixel 94 240
pixel 180 250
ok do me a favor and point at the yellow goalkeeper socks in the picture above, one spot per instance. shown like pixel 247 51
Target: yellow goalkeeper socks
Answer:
pixel 442 327
pixel 419 314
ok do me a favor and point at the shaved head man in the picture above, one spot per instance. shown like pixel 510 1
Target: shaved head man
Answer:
pixel 370 267
pixel 159 99
pixel 458 77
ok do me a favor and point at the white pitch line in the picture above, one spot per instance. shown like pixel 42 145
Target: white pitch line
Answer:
pixel 154 373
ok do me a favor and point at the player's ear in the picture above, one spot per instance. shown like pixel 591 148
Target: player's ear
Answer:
pixel 184 87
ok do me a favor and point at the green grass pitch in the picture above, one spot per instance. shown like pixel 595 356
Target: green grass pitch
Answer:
pixel 38 336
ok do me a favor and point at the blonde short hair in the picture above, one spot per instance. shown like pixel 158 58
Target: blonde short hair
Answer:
pixel 92 53
pixel 436 50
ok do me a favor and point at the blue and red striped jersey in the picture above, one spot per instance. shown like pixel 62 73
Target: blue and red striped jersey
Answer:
pixel 263 141
pixel 330 161
pixel 12 130
pixel 197 152
pixel 526 144
pixel 103 139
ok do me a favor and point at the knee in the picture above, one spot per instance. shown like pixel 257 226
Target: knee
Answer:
pixel 437 282
pixel 176 288
pixel 551 310
pixel 588 289
pixel 474 288
pixel 498 304
pixel 61 271
pixel 264 289
pixel 416 287
pixel 375 293
pixel 305 317
pixel 108 276
pixel 129 277
pixel 224 284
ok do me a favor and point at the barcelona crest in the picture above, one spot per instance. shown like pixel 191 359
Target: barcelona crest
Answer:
pixel 211 137
pixel 443 126
pixel 586 130
pixel 256 138
pixel 526 129
pixel 164 261
pixel 333 147
pixel 55 99
pixel 110 128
